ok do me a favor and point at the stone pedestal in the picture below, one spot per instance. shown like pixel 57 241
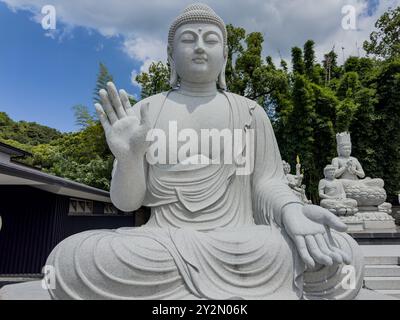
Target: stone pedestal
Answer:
pixel 32 290
pixel 354 223
pixel 377 220
pixel 386 224
pixel 374 219
pixel 366 220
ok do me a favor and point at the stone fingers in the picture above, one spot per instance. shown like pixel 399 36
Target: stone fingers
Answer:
pixel 115 100
pixel 332 245
pixel 333 221
pixel 303 252
pixel 125 102
pixel 106 104
pixel 319 238
pixel 103 117
pixel 316 253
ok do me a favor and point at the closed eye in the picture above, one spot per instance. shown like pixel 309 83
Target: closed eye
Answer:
pixel 212 41
pixel 187 38
pixel 211 38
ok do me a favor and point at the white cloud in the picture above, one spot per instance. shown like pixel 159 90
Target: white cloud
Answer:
pixel 146 51
pixel 144 25
pixel 134 73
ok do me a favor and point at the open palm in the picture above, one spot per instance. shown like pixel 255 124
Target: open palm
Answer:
pixel 309 227
pixel 125 133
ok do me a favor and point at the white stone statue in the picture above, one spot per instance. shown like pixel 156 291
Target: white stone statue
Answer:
pixel 295 181
pixel 332 194
pixel 214 232
pixel 369 193
pixel 350 171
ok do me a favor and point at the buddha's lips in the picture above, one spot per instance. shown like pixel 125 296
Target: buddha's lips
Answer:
pixel 199 59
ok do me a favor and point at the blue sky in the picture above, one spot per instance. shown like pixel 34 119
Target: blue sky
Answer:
pixel 42 77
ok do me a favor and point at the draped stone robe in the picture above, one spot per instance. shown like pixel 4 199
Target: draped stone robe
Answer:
pixel 212 234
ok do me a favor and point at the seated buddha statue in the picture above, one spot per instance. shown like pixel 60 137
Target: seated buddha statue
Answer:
pixel 295 182
pixel 367 191
pixel 332 194
pixel 216 231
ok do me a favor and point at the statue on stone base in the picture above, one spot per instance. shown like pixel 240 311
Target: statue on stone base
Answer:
pixel 218 229
pixel 369 193
pixel 295 182
pixel 332 194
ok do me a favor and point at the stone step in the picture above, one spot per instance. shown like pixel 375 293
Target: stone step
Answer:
pixel 382 271
pixel 381 260
pixel 392 293
pixel 382 283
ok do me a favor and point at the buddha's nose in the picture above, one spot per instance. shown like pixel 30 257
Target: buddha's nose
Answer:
pixel 199 48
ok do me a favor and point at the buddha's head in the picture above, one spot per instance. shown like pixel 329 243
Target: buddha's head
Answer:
pixel 197 47
pixel 286 167
pixel 329 172
pixel 343 141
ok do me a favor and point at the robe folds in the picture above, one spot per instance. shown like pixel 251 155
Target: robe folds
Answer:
pixel 212 234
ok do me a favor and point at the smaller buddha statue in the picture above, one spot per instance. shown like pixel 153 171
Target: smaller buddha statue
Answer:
pixel 295 181
pixel 367 191
pixel 332 194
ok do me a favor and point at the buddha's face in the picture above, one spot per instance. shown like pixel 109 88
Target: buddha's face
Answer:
pixel 330 173
pixel 198 52
pixel 345 150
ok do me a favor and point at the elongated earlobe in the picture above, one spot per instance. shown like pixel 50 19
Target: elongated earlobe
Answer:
pixel 221 79
pixel 173 78
pixel 221 76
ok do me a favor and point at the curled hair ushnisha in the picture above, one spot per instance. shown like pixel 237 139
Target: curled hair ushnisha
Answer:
pixel 197 13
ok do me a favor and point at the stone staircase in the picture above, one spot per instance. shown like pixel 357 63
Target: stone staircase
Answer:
pixel 382 269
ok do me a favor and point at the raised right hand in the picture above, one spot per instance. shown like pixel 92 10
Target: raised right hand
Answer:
pixel 125 133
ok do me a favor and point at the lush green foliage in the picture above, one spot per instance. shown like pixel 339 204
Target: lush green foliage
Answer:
pixel 29 133
pixel 154 81
pixel 81 156
pixel 102 78
pixel 385 41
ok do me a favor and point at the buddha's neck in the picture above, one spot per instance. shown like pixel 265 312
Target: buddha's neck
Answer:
pixel 198 89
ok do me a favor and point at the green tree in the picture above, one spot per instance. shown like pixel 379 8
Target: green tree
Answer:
pixel 387 125
pixel 103 77
pixel 154 81
pixel 385 42
pixel 309 59
pixel 236 37
pixel 297 60
pixel 299 131
pixel 83 118
pixel 24 132
pixel 332 71
pixel 349 84
pixel 5 120
pixel 326 104
pixel 344 114
pixel 250 75
pixel 363 131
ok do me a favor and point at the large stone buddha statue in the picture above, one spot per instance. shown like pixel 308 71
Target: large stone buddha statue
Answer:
pixel 216 231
